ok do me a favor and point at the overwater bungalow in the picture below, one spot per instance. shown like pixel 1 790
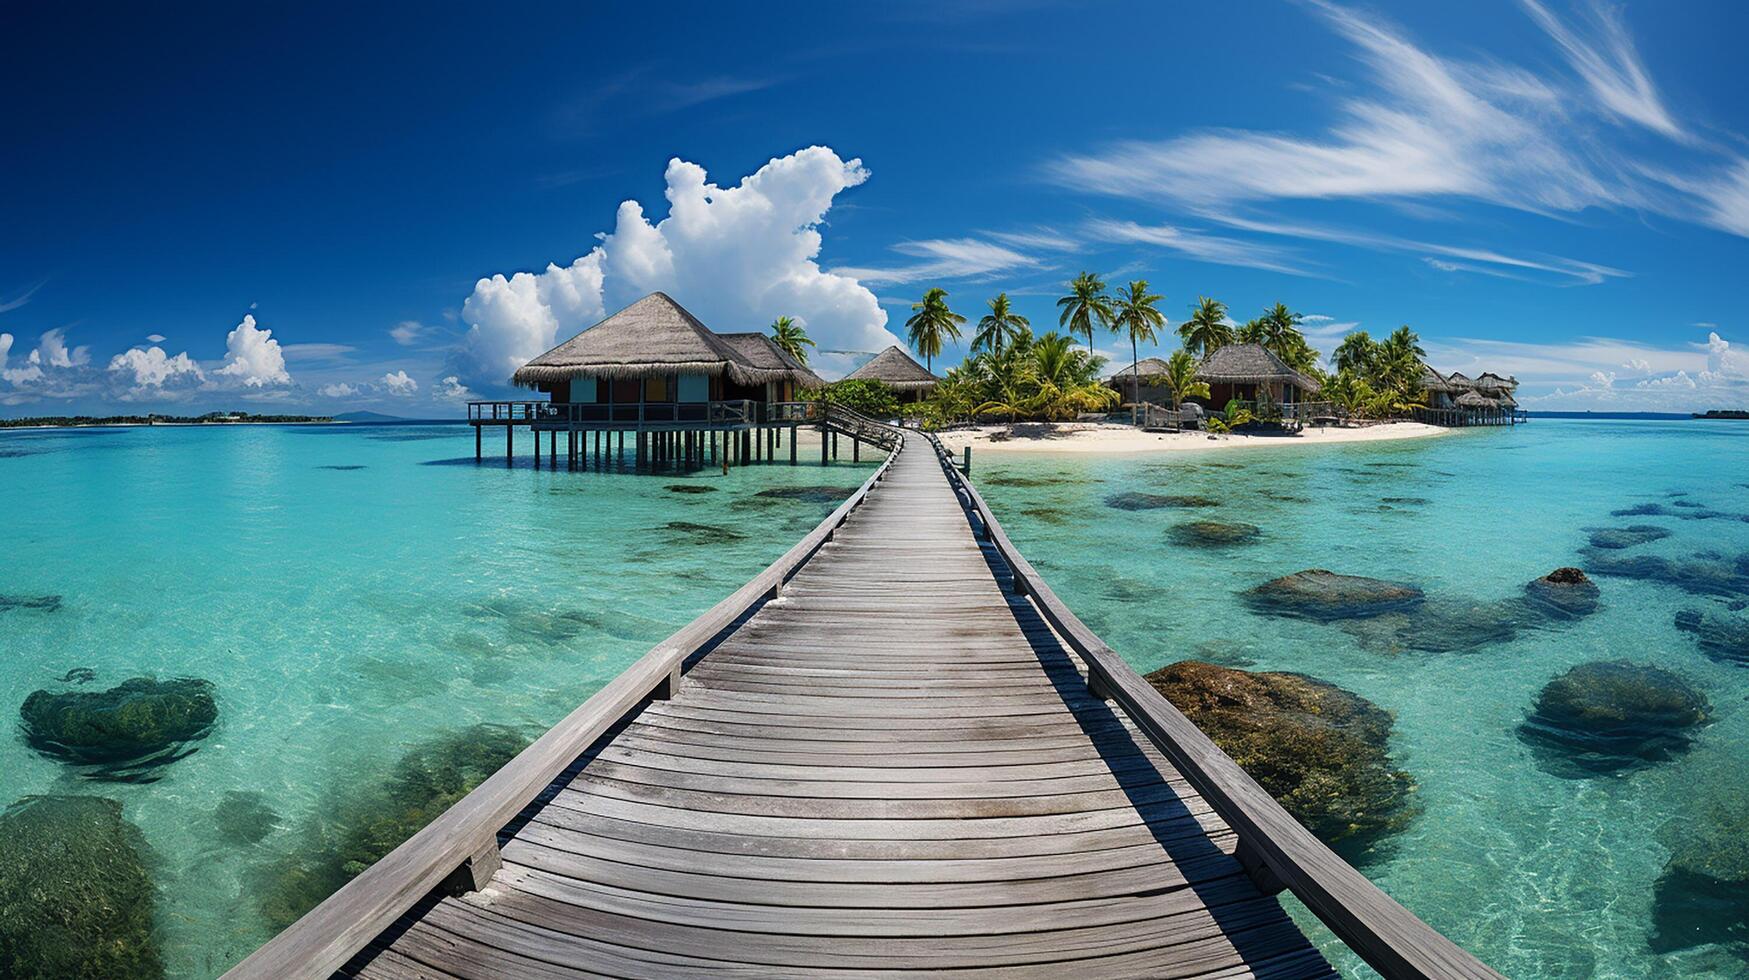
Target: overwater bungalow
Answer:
pixel 1457 400
pixel 655 371
pixel 899 371
pixel 1253 373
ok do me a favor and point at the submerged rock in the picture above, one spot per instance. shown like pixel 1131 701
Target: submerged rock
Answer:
pixel 79 675
pixel 1702 896
pixel 1049 515
pixel 1214 534
pixel 1627 537
pixel 347 468
pixel 1722 638
pixel 702 533
pixel 1441 625
pixel 1317 593
pixel 815 495
pixel 1611 715
pixel 690 488
pixel 1702 576
pixel 128 729
pixel 1319 750
pixel 344 839
pixel 41 603
pixel 1640 510
pixel 1416 501
pixel 244 817
pixel 1564 593
pixel 75 899
pixel 1133 500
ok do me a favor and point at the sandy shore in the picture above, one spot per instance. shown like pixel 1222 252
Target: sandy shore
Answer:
pixel 1075 437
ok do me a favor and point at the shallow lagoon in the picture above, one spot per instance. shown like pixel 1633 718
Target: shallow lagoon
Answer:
pixel 351 591
pixel 1541 875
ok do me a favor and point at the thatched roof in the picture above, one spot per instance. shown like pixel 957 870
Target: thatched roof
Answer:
pixel 1459 382
pixel 1148 367
pixel 1489 381
pixel 1471 399
pixel 1432 380
pixel 1245 364
pixel 760 351
pixel 897 369
pixel 650 338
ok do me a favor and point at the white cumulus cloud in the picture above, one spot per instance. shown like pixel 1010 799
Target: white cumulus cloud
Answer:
pixel 151 371
pixel 738 257
pixel 253 357
pixel 53 348
pixel 337 390
pixel 400 384
pixel 451 389
pixel 406 332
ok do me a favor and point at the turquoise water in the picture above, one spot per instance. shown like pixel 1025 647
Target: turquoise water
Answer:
pixel 343 614
pixel 1542 876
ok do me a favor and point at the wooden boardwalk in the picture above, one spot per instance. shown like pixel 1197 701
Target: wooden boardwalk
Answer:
pixel 892 764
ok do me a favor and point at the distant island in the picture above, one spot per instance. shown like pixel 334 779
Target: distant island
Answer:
pixel 1724 413
pixel 210 418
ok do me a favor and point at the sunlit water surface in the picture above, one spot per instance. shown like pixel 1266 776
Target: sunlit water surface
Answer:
pixel 1540 875
pixel 350 591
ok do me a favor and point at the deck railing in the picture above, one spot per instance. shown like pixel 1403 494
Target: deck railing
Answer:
pixel 730 412
pixel 464 838
pixel 1275 848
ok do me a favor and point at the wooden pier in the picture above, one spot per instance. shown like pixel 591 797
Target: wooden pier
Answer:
pixel 894 750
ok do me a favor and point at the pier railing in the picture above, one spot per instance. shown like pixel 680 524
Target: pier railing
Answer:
pixel 1277 850
pixel 463 840
pixel 729 412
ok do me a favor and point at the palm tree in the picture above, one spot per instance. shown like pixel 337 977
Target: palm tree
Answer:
pixel 791 338
pixel 1134 313
pixel 931 321
pixel 1086 305
pixel 1000 324
pixel 1208 328
pixel 1356 354
pixel 1180 379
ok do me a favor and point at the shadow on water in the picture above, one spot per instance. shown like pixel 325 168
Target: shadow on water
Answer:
pixel 1257 927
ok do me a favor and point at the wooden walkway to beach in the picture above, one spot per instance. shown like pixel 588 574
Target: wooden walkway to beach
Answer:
pixel 888 762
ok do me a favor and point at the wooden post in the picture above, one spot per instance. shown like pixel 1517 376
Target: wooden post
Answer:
pixel 477 429
pixel 834 443
pixel 855 450
pixel 553 446
pixel 966 468
pixel 824 438
pixel 509 448
pixel 792 445
pixel 536 434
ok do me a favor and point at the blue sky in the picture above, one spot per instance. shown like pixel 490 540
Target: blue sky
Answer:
pixel 328 209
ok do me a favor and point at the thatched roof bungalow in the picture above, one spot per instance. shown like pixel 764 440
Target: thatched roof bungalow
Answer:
pixel 1140 382
pixel 1252 372
pixel 899 371
pixel 656 351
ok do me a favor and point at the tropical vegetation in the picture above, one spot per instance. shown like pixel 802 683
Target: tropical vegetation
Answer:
pixel 932 323
pixel 875 399
pixel 1085 307
pixel 1000 326
pixel 789 336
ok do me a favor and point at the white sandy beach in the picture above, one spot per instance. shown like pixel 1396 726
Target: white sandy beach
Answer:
pixel 1081 437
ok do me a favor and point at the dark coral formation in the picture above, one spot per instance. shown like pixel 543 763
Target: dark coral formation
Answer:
pixel 1323 595
pixel 1723 638
pixel 1626 537
pixel 75 899
pixel 814 495
pixel 702 533
pixel 1319 750
pixel 1565 593
pixel 41 603
pixel 1607 716
pixel 1702 897
pixel 1441 625
pixel 1214 534
pixel 127 730
pixel 1699 575
pixel 344 839
pixel 1133 500
pixel 346 468
pixel 690 488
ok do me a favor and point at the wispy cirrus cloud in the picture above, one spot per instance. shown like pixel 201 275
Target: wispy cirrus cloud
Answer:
pixel 1194 244
pixel 944 258
pixel 1420 128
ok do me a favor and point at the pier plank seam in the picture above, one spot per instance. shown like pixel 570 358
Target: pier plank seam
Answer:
pixel 883 757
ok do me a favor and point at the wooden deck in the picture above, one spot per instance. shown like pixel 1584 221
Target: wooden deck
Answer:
pixel 889 762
